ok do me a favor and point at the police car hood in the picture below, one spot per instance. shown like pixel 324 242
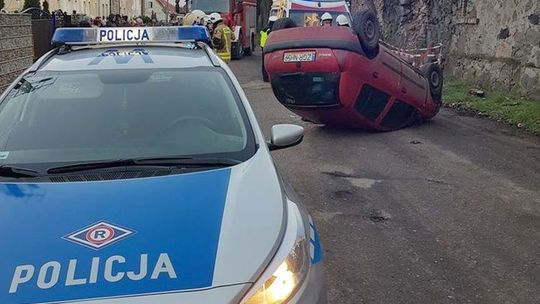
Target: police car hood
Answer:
pixel 194 232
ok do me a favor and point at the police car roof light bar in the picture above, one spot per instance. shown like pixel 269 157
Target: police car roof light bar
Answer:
pixel 90 36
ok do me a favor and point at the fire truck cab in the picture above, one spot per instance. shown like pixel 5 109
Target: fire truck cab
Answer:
pixel 308 13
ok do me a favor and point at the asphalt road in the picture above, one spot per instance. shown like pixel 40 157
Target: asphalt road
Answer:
pixel 443 212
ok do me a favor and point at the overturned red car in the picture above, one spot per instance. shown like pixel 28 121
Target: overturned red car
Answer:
pixel 345 77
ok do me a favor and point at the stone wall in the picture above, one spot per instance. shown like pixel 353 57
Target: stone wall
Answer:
pixel 16 48
pixel 491 42
pixel 498 43
pixel 412 23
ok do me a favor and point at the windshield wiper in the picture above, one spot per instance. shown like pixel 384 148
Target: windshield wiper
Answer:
pixel 188 162
pixel 16 172
pixel 91 166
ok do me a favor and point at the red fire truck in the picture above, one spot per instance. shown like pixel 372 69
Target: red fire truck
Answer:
pixel 239 15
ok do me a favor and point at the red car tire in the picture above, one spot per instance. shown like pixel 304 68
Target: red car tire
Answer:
pixel 367 28
pixel 434 75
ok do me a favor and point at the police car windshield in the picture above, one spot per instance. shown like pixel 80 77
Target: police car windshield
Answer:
pixel 58 118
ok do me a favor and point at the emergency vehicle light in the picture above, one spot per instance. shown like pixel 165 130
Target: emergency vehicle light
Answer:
pixel 86 36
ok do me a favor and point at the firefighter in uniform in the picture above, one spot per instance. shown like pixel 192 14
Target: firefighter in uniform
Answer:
pixel 194 18
pixel 342 20
pixel 222 37
pixel 264 36
pixel 326 19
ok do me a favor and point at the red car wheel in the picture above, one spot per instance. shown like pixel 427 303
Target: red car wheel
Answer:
pixel 434 75
pixel 366 25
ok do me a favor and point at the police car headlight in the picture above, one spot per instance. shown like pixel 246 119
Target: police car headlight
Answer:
pixel 285 280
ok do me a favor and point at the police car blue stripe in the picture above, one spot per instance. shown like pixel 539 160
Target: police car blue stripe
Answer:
pixel 316 243
pixel 167 228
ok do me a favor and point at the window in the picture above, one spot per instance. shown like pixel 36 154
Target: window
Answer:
pixel 210 6
pixel 312 18
pixel 399 116
pixel 63 117
pixel 307 89
pixel 371 102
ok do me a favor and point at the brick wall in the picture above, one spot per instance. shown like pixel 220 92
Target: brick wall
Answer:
pixel 16 47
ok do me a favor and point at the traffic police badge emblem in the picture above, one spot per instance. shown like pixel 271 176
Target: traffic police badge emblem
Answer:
pixel 99 235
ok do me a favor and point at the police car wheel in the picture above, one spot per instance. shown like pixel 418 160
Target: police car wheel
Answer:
pixel 434 76
pixel 367 28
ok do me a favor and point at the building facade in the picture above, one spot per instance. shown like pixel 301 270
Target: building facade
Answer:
pixel 91 8
pixel 94 8
pixel 12 6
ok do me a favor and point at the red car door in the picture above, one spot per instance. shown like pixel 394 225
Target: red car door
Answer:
pixel 413 87
pixel 378 81
pixel 386 73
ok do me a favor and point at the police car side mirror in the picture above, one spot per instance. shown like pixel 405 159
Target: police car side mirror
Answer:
pixel 285 136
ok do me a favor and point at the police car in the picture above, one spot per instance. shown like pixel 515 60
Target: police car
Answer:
pixel 133 170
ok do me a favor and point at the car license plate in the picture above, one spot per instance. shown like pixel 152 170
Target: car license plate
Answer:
pixel 299 57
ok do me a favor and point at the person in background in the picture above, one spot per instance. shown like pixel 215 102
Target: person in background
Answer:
pixel 85 22
pixel 173 20
pixel 153 19
pixel 97 22
pixel 119 20
pixel 342 20
pixel 204 21
pixel 139 22
pixel 264 36
pixel 326 19
pixel 67 20
pixel 194 18
pixel 209 25
pixel 111 21
pixel 266 30
pixel 222 37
